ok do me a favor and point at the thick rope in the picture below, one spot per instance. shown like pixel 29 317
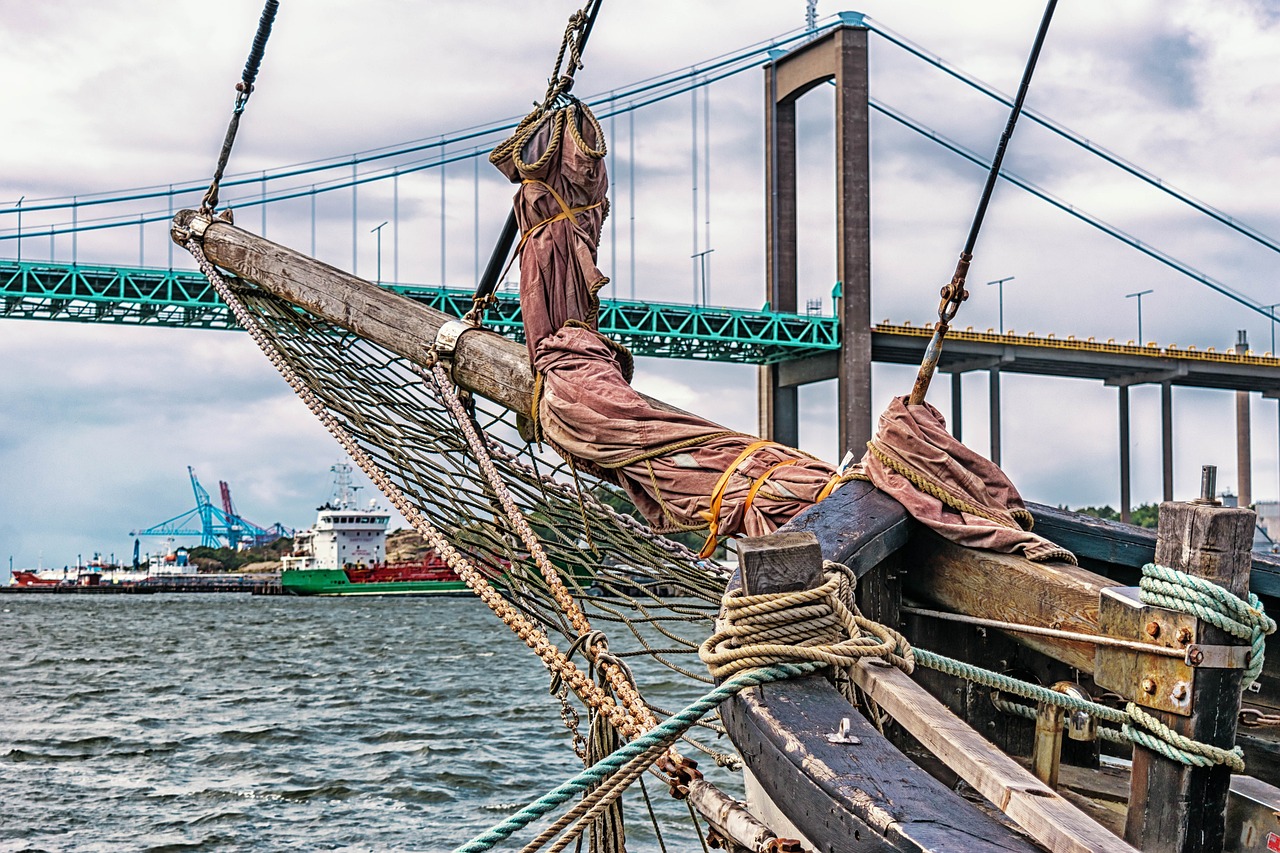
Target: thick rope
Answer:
pixel 656 739
pixel 1209 602
pixel 619 680
pixel 1136 725
pixel 821 625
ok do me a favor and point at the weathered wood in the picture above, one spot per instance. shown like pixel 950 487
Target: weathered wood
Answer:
pixel 858 525
pixel 1009 588
pixel 783 562
pixel 1041 812
pixel 846 797
pixel 485 363
pixel 860 796
pixel 1174 807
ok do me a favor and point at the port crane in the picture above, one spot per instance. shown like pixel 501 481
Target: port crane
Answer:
pixel 216 526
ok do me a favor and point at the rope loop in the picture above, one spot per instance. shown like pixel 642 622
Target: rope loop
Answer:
pixel 1145 730
pixel 820 625
pixel 1210 602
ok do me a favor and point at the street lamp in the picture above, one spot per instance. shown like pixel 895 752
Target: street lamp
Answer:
pixel 19 206
pixel 701 257
pixel 1271 309
pixel 378 231
pixel 1139 294
pixel 1000 283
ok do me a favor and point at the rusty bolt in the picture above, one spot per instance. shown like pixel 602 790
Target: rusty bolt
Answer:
pixel 1180 692
pixel 1149 685
pixel 1195 657
pixel 1153 629
pixel 1184 635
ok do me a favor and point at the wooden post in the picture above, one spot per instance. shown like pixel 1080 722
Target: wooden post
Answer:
pixel 1174 808
pixel 781 562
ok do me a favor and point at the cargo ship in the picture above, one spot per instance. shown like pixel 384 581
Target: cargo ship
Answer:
pixel 344 553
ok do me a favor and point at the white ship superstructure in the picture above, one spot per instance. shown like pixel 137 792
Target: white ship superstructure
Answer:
pixel 343 534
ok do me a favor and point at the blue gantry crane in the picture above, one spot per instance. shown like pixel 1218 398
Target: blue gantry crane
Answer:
pixel 216 526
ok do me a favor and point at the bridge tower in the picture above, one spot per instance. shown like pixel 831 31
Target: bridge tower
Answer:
pixel 839 55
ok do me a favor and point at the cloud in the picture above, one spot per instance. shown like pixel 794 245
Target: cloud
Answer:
pixel 99 423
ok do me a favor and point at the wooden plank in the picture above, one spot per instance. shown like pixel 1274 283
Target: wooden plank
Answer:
pixel 858 525
pixel 1041 812
pixel 485 363
pixel 1174 807
pixel 1009 588
pixel 1095 539
pixel 862 796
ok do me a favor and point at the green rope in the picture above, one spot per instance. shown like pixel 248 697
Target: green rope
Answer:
pixel 1136 725
pixel 664 733
pixel 1209 602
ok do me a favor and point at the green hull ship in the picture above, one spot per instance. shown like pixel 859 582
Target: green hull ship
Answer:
pixel 338 582
pixel 344 553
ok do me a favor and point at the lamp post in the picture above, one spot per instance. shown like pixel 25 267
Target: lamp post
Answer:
pixel 1139 294
pixel 378 231
pixel 701 257
pixel 1000 284
pixel 1271 309
pixel 19 206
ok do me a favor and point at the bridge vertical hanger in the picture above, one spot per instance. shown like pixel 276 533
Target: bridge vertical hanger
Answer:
pixel 839 56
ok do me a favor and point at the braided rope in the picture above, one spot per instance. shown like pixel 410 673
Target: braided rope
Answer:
pixel 619 680
pixel 1158 737
pixel 1209 602
pixel 1136 725
pixel 660 736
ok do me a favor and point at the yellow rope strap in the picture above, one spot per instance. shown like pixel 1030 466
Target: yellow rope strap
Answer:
pixel 566 212
pixel 712 515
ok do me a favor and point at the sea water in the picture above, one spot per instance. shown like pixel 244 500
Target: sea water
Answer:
pixel 232 722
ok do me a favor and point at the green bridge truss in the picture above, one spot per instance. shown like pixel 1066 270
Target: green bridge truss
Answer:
pixel 85 293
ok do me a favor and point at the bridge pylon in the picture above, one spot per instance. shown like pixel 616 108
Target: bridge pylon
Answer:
pixel 838 56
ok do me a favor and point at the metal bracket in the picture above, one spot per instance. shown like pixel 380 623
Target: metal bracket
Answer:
pixel 842 735
pixel 193 230
pixel 446 341
pixel 1151 680
pixel 1218 657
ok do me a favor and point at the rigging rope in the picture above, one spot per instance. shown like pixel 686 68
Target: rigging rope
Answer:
pixel 243 90
pixel 656 739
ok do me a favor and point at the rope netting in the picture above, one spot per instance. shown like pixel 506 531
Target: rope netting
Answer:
pixel 652 596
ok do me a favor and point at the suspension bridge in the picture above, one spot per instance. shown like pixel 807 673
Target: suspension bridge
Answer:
pixel 47 275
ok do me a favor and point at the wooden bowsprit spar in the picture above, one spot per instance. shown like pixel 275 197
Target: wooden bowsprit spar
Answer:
pixel 483 362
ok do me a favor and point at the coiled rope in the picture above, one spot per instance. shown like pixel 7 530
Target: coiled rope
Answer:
pixel 821 625
pixel 1209 602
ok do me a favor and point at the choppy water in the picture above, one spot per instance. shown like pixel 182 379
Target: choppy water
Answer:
pixel 230 722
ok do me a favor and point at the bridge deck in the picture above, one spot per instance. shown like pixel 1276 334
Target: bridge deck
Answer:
pixel 804 346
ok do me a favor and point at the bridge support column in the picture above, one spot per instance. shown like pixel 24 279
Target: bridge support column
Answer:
pixel 1126 495
pixel 957 409
pixel 994 416
pixel 1166 437
pixel 839 56
pixel 1244 438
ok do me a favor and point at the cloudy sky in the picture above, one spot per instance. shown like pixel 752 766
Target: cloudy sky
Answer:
pixel 98 423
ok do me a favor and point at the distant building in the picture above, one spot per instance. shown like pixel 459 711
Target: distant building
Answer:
pixel 1269 518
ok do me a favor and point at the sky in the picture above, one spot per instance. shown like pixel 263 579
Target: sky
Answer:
pixel 99 423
